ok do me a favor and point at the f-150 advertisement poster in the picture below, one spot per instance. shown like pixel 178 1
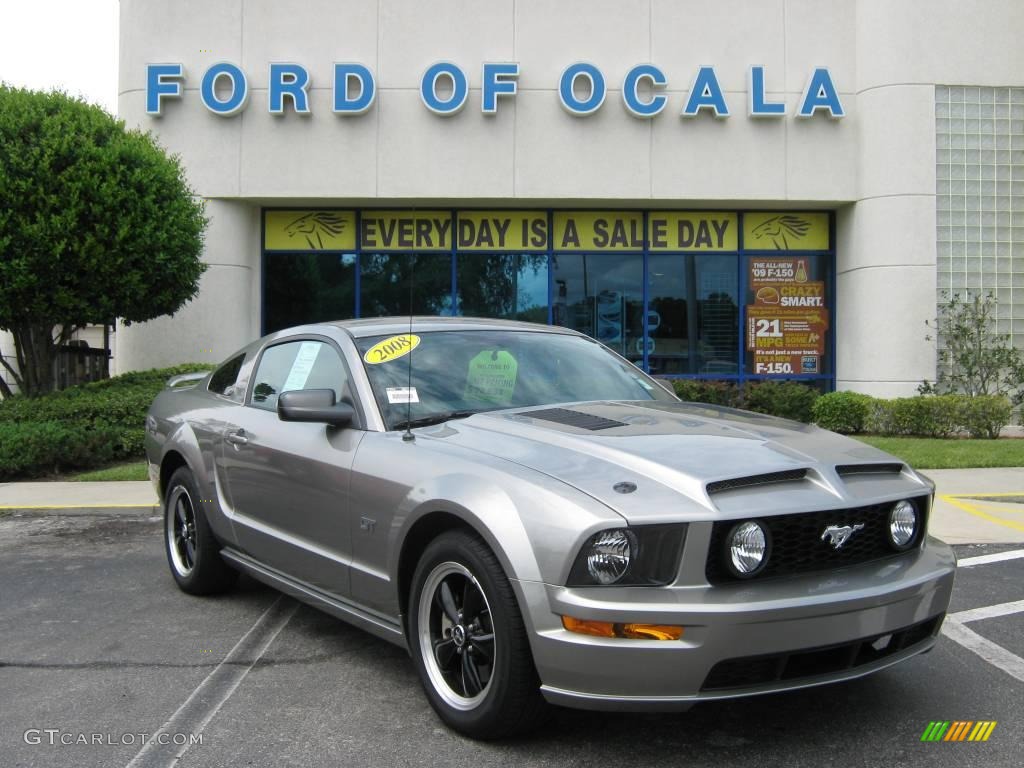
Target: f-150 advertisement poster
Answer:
pixel 787 322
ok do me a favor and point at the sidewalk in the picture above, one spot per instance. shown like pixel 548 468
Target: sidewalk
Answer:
pixel 972 506
pixel 103 498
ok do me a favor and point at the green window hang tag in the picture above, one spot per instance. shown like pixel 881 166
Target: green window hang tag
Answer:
pixel 491 377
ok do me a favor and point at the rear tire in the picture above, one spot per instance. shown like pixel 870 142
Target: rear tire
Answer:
pixel 469 642
pixel 193 552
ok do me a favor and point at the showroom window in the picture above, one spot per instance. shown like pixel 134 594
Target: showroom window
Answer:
pixel 697 294
pixel 507 286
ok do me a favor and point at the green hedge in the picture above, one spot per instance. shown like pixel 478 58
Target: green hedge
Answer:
pixel 80 427
pixel 939 416
pixel 985 415
pixel 787 399
pixel 844 412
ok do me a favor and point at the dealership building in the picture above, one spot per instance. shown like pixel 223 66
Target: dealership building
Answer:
pixel 735 189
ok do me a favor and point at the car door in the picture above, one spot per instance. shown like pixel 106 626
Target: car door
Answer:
pixel 288 482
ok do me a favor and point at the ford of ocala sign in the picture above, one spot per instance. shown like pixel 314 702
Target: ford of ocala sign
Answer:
pixel 444 89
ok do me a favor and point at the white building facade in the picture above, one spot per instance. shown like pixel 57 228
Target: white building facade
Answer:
pixel 736 189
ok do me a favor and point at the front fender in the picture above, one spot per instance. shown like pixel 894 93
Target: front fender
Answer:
pixel 481 505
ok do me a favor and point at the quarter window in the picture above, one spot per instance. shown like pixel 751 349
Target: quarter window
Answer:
pixel 222 382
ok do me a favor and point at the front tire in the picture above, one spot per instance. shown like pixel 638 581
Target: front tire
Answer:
pixel 469 642
pixel 193 552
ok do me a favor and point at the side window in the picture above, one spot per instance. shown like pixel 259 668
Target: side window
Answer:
pixel 298 365
pixel 222 382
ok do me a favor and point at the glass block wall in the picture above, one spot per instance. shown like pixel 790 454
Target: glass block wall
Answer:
pixel 980 197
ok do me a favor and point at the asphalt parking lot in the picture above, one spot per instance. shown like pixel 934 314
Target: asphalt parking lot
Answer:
pixel 97 642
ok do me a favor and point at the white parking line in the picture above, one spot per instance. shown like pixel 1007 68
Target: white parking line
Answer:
pixel 996 557
pixel 206 700
pixel 955 628
pixel 994 654
pixel 988 612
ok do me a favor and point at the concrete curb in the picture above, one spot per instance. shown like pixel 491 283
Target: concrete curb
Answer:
pixel 77 511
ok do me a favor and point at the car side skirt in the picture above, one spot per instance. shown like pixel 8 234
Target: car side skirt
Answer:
pixel 333 606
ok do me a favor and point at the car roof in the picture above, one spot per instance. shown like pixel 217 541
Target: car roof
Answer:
pixel 380 326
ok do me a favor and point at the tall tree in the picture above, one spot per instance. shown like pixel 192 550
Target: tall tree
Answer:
pixel 96 222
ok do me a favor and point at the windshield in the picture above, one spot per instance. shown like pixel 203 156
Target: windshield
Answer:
pixel 456 373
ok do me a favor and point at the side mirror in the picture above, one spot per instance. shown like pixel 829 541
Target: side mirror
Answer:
pixel 314 405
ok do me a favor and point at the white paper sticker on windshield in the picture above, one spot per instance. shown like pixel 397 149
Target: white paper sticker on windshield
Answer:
pixel 302 366
pixel 402 395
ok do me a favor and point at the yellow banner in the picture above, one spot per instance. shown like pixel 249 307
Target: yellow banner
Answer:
pixel 501 231
pixel 309 230
pixel 406 230
pixel 598 231
pixel 692 231
pixel 779 231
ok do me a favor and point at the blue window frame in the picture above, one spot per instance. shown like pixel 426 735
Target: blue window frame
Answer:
pixel 674 313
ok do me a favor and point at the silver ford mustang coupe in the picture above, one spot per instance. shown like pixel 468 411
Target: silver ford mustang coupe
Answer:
pixel 536 520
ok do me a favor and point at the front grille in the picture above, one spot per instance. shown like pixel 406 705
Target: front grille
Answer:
pixel 795 544
pixel 786 476
pixel 752 671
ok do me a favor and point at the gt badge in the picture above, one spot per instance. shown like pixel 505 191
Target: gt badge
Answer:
pixel 840 534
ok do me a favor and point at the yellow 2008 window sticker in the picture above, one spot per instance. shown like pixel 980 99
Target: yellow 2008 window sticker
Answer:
pixel 391 348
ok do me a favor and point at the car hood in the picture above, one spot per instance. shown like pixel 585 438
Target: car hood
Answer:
pixel 688 461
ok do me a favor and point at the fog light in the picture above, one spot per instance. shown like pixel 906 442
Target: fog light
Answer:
pixel 903 524
pixel 748 548
pixel 613 629
pixel 609 555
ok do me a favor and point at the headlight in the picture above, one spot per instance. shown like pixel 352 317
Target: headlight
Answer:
pixel 647 554
pixel 609 555
pixel 903 524
pixel 747 545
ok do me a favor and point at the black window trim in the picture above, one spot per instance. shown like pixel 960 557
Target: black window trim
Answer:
pixel 243 354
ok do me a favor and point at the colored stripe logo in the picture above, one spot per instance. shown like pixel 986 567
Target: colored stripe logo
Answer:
pixel 958 730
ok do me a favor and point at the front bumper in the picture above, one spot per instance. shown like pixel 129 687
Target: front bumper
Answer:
pixel 776 635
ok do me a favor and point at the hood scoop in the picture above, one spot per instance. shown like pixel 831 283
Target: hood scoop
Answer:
pixel 846 470
pixel 572 418
pixel 735 483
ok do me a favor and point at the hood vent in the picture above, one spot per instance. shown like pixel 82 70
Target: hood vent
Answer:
pixel 846 470
pixel 787 476
pixel 576 419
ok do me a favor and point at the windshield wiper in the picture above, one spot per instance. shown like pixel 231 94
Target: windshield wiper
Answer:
pixel 436 418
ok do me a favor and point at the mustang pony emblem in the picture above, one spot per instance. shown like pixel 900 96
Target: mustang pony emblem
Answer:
pixel 780 228
pixel 316 225
pixel 839 534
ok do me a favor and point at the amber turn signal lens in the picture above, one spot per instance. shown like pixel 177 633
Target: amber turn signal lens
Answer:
pixel 587 627
pixel 611 629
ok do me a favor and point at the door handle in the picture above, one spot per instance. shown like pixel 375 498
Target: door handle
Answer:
pixel 237 437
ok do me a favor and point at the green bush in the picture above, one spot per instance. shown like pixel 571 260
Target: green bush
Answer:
pixel 928 416
pixel 880 419
pixel 844 412
pixel 985 415
pixel 711 392
pixel 786 399
pixel 80 427
pixel 36 448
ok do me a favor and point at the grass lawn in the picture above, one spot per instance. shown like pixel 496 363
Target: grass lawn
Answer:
pixel 133 470
pixel 933 453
